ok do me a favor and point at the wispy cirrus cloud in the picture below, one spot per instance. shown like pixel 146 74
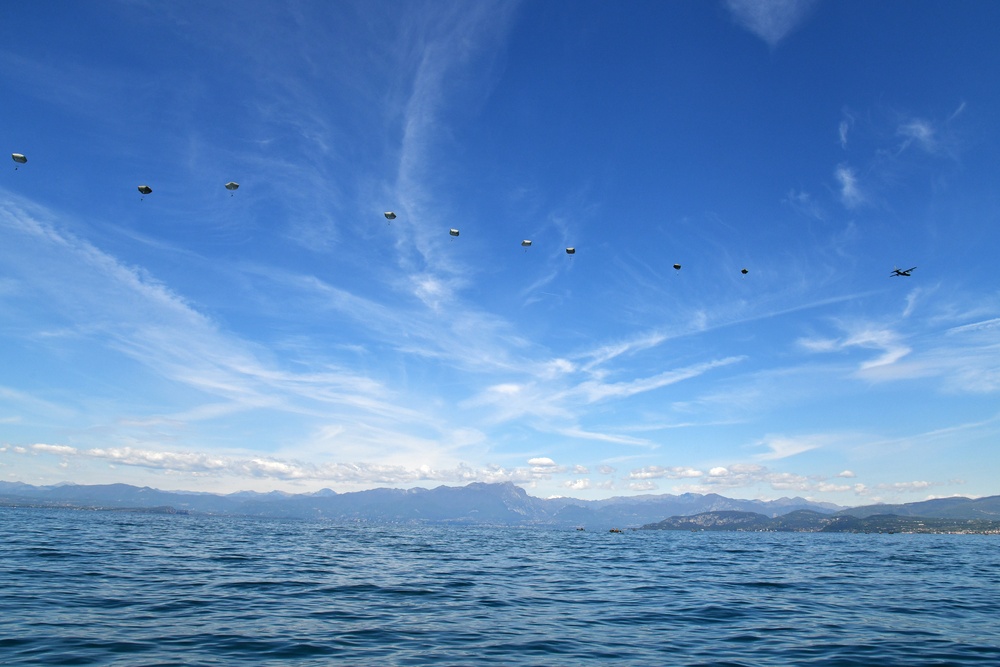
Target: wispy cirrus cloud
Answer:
pixel 782 447
pixel 805 204
pixel 132 313
pixel 771 20
pixel 867 337
pixel 965 356
pixel 851 195
pixel 918 132
pixel 844 129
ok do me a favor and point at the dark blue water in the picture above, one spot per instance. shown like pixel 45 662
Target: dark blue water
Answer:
pixel 108 588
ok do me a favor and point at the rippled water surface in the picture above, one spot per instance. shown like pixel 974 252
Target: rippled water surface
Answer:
pixel 113 588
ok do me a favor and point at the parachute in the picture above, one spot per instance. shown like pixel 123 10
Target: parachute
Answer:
pixel 677 266
pixel 145 190
pixel 526 243
pixel 18 158
pixel 744 271
pixel 570 251
pixel 232 186
pixel 390 216
pixel 453 232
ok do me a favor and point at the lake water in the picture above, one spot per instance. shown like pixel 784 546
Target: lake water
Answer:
pixel 113 588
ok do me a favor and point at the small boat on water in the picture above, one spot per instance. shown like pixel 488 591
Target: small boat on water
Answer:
pixel 615 530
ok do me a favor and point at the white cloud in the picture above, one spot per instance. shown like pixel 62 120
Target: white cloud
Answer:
pixel 843 129
pixel 907 487
pixel 53 449
pixel 272 468
pixel 643 486
pixel 744 475
pixel 782 447
pixel 846 474
pixel 771 20
pixel 805 204
pixel 850 192
pixel 659 472
pixel 919 132
pixel 542 462
pixel 596 391
pixel 604 437
pixel 866 337
pixel 989 325
pixel 577 484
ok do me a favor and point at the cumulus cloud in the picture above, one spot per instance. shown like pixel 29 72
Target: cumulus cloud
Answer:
pixel 643 486
pixel 659 472
pixel 827 487
pixel 542 462
pixel 606 470
pixel 907 487
pixel 577 484
pixel 846 474
pixel 265 467
pixel 543 466
pixel 742 475
pixel 771 20
pixel 54 449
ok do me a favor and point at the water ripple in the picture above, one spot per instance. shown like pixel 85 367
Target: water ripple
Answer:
pixel 95 588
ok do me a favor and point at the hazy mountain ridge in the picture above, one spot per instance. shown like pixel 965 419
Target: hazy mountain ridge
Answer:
pixel 808 521
pixel 940 508
pixel 476 503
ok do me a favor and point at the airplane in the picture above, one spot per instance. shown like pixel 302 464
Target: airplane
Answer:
pixel 901 272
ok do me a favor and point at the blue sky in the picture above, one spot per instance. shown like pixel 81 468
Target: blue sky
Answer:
pixel 286 336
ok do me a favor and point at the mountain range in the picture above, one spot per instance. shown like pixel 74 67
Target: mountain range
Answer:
pixel 476 503
pixel 808 521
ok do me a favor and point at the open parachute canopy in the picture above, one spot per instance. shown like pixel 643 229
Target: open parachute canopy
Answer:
pixel 744 271
pixel 145 189
pixel 232 185
pixel 677 266
pixel 526 243
pixel 18 158
pixel 453 232
pixel 389 215
pixel 570 251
